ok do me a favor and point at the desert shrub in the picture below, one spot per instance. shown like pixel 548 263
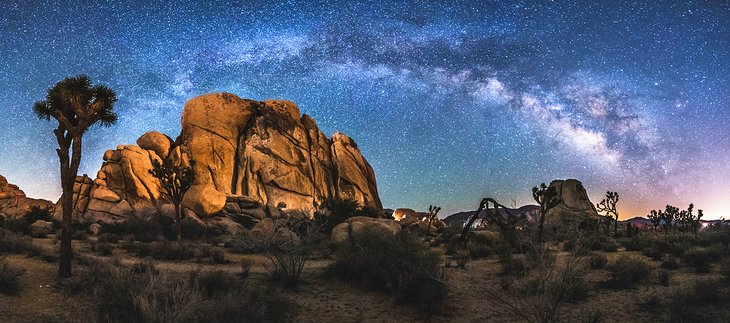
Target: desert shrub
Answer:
pixel 334 211
pixel 215 255
pixel 17 225
pixel 725 268
pixel 144 294
pixel 511 265
pixel 162 250
pixel 39 233
pixel 37 213
pixel 635 243
pixel 108 238
pixel 540 294
pixel 653 253
pixel 215 282
pixel 597 261
pixel 664 276
pixel 288 245
pixel 481 244
pixel 701 259
pixel 79 235
pixel 146 230
pixel 9 277
pixel 252 305
pixel 627 271
pixel 714 235
pixel 165 250
pixel 245 265
pixel 670 264
pixel 399 265
pixel 102 248
pixel 11 242
pixel 685 302
pixel 603 242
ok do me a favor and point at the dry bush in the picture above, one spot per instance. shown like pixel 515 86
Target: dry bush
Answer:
pixel 627 271
pixel 143 293
pixel 541 293
pixel 289 245
pixel 400 265
pixel 9 277
pixel 597 261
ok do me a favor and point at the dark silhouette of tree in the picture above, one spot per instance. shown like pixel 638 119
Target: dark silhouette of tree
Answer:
pixel 432 212
pixel 608 205
pixel 656 218
pixel 670 216
pixel 76 105
pixel 175 180
pixel 547 198
pixel 698 223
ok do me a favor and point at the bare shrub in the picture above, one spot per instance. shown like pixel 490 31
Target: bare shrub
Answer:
pixel 628 271
pixel 9 277
pixel 541 293
pixel 400 265
pixel 287 244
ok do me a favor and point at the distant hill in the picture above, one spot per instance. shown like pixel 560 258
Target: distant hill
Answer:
pixel 458 219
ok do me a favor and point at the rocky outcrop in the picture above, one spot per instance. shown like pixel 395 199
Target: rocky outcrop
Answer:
pixel 352 227
pixel 574 202
pixel 14 203
pixel 253 160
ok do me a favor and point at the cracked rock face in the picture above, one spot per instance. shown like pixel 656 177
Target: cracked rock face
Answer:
pixel 252 160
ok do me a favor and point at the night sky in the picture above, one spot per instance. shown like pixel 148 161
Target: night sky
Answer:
pixel 448 102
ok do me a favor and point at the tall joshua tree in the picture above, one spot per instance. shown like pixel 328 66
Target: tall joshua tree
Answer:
pixel 608 205
pixel 433 211
pixel 76 105
pixel 175 179
pixel 547 198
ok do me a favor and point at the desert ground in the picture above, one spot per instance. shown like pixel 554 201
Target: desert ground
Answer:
pixel 473 291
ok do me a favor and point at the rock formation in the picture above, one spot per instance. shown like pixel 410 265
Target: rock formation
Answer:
pixel 352 227
pixel 574 201
pixel 253 160
pixel 14 203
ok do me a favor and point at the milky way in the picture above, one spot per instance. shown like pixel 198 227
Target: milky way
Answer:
pixel 449 103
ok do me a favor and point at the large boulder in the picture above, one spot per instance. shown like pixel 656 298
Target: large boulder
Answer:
pixel 204 200
pixel 574 203
pixel 157 142
pixel 356 225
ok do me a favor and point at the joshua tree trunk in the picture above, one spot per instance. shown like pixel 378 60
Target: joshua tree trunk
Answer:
pixel 615 226
pixel 68 177
pixel 542 224
pixel 178 219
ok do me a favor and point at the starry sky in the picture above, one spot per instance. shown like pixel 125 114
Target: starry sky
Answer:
pixel 450 102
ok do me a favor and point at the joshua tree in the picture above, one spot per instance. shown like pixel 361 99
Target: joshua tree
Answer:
pixel 608 205
pixel 175 180
pixel 670 215
pixel 698 224
pixel 432 212
pixel 76 105
pixel 547 198
pixel 656 218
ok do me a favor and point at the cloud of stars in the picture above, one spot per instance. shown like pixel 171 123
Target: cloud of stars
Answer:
pixel 449 102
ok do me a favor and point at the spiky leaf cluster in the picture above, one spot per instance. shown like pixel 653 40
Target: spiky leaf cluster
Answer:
pixel 77 105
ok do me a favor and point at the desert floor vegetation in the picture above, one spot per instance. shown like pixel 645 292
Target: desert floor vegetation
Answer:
pixel 649 277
